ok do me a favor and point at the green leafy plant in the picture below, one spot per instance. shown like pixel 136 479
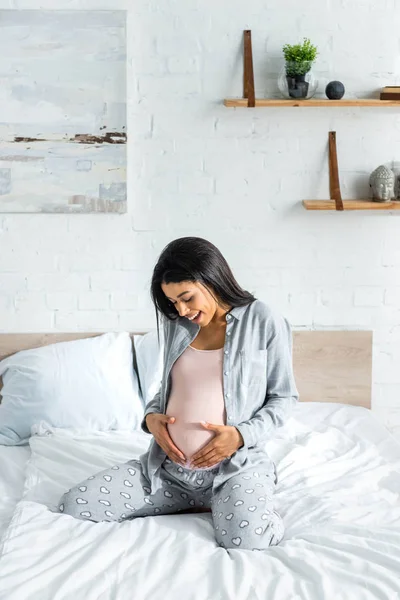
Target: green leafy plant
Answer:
pixel 299 57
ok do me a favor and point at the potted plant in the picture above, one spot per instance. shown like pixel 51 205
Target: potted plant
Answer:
pixel 299 58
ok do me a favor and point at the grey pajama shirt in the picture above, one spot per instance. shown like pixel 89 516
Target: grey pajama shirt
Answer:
pixel 259 393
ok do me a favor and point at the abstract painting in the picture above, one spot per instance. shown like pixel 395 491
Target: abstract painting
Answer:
pixel 63 131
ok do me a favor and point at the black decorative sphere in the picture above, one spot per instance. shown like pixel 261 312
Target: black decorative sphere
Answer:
pixel 335 90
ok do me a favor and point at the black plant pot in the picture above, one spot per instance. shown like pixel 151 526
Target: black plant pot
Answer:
pixel 297 86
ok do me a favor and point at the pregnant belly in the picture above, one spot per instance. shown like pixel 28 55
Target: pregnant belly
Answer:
pixel 189 437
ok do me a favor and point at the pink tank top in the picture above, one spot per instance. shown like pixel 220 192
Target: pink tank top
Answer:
pixel 196 395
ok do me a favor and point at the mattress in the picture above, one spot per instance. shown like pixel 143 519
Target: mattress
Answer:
pixel 338 493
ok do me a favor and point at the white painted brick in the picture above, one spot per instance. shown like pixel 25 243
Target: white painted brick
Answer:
pixel 169 86
pixel 315 277
pixel 387 335
pixel 210 147
pixel 368 296
pixel 247 164
pixel 388 395
pixel 30 301
pixel 236 184
pixel 142 252
pixel 230 126
pixel 183 64
pixel 137 321
pixel 249 278
pixel 301 299
pixel 85 320
pixel 298 317
pixel 153 147
pixel 183 126
pixel 86 230
pixel 94 301
pixel 33 228
pixel 390 418
pixel 83 262
pixel 161 184
pixel 155 213
pixel 172 162
pixel 26 321
pixel 342 318
pixel 375 276
pixel 383 316
pixel 72 4
pixel 276 298
pixel 386 368
pixel 196 184
pixel 392 296
pixel 171 44
pixel 6 302
pixel 336 297
pixel 142 124
pixel 151 65
pixel 61 301
pixel 121 301
pixel 117 281
pixel 57 282
pixel 12 282
pixel 15 259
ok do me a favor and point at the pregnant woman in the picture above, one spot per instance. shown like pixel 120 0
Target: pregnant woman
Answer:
pixel 227 385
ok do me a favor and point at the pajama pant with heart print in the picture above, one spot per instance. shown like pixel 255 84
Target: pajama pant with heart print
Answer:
pixel 242 508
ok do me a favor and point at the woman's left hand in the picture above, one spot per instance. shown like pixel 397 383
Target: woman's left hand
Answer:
pixel 226 441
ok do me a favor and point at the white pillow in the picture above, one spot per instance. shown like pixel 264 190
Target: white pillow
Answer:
pixel 87 384
pixel 150 359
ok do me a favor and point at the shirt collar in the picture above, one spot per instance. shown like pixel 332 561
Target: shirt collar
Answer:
pixel 238 311
pixel 235 312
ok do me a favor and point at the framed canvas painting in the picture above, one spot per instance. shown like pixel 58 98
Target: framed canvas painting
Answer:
pixel 63 133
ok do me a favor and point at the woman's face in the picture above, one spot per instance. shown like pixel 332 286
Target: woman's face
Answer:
pixel 194 302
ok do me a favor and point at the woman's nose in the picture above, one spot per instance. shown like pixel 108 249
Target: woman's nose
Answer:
pixel 183 310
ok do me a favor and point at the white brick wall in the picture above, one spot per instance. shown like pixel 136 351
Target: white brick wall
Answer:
pixel 234 177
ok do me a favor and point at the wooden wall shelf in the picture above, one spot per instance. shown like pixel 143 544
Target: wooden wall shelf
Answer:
pixel 312 103
pixel 336 202
pixel 351 205
pixel 250 101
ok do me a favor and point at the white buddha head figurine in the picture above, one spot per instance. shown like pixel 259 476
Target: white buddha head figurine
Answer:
pixel 382 182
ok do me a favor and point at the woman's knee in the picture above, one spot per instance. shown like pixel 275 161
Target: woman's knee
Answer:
pixel 76 503
pixel 68 505
pixel 249 537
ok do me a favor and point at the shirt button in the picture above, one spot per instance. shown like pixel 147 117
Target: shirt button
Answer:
pixel 228 333
pixel 227 395
pixel 226 352
pixel 225 372
pixel 228 317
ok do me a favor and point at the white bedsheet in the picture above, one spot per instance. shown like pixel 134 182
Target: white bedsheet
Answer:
pixel 13 461
pixel 338 493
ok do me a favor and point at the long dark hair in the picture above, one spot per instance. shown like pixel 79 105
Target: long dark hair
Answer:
pixel 195 259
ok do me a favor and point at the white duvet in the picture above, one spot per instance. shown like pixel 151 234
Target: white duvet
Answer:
pixel 13 461
pixel 338 493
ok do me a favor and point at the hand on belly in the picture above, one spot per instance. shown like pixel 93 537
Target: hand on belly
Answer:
pixel 189 437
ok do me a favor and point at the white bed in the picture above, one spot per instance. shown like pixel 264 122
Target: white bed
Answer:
pixel 338 493
pixel 12 478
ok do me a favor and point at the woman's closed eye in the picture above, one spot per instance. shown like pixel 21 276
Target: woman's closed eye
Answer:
pixel 184 300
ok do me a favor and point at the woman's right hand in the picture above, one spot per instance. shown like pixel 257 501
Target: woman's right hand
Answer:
pixel 157 425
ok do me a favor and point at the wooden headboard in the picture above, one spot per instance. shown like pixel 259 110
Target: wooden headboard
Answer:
pixel 329 366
